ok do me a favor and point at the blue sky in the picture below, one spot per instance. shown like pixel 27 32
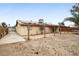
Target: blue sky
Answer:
pixel 51 13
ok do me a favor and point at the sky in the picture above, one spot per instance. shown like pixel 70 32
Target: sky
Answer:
pixel 52 13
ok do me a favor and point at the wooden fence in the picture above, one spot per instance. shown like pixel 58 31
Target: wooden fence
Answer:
pixel 69 29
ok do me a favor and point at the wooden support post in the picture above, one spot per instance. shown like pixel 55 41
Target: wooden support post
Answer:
pixel 59 29
pixel 54 30
pixel 28 28
pixel 44 31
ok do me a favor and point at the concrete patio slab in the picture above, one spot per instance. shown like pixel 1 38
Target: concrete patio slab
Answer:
pixel 12 37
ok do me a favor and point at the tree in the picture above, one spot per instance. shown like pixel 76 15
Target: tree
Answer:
pixel 42 28
pixel 41 20
pixel 4 24
pixel 61 23
pixel 75 15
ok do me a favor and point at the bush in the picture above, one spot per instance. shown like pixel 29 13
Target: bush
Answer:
pixel 3 31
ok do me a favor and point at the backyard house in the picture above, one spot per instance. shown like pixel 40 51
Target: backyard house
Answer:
pixel 35 28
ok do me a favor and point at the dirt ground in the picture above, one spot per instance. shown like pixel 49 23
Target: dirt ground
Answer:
pixel 58 45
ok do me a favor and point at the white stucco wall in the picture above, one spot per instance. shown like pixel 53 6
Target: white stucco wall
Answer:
pixel 22 30
pixel 48 30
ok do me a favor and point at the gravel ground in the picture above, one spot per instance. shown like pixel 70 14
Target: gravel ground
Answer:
pixel 58 45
